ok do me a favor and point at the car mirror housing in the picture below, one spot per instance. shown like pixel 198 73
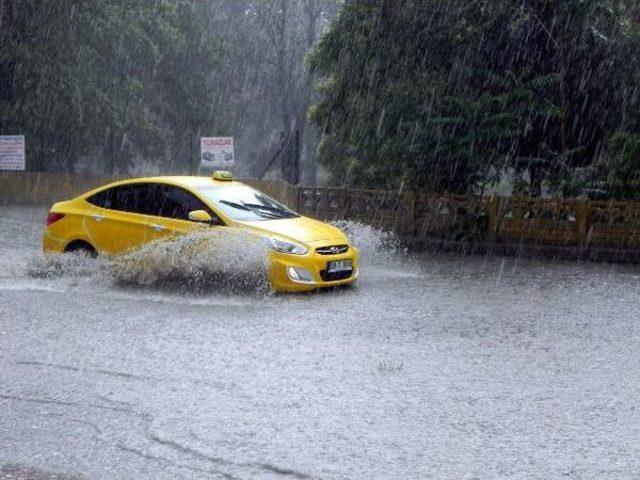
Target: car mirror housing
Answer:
pixel 200 216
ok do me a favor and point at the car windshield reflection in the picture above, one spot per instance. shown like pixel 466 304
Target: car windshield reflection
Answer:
pixel 245 204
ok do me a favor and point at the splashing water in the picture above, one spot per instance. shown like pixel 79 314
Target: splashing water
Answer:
pixel 373 243
pixel 220 259
pixel 226 260
pixel 72 265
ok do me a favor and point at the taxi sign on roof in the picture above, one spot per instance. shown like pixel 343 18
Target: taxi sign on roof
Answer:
pixel 222 176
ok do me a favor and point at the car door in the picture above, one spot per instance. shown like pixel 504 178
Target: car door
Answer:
pixel 116 222
pixel 169 212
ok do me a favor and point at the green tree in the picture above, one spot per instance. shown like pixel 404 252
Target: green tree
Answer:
pixel 447 95
pixel 77 76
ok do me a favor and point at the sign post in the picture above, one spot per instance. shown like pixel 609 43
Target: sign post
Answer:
pixel 12 157
pixel 217 153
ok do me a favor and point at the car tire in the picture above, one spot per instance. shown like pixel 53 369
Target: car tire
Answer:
pixel 81 248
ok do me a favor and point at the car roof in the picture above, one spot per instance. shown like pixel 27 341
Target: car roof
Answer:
pixel 182 180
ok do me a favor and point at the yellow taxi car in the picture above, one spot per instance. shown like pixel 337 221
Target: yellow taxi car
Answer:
pixel 304 254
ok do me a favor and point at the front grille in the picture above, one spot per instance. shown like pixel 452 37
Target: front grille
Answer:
pixel 335 276
pixel 333 250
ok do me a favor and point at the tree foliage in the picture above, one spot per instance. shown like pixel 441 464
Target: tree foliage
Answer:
pixel 130 76
pixel 449 95
pixel 127 82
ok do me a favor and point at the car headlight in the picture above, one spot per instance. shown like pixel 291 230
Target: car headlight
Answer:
pixel 283 246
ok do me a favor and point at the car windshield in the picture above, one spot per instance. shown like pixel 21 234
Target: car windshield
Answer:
pixel 245 204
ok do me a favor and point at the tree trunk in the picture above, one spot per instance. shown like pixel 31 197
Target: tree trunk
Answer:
pixel 307 137
pixel 1 13
pixel 535 178
pixel 283 81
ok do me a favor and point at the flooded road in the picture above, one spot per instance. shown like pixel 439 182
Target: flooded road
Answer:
pixel 431 367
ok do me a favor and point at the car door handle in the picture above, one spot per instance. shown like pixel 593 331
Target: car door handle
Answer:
pixel 157 228
pixel 98 218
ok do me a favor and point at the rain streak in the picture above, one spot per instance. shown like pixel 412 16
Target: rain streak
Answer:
pixel 319 239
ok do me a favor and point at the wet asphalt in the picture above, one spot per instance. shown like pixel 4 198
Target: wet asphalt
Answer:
pixel 432 366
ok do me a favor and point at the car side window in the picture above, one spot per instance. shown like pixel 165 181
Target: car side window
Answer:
pixel 126 198
pixel 175 202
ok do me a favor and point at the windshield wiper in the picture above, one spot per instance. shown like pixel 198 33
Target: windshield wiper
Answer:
pixel 276 210
pixel 265 211
pixel 236 205
pixel 269 215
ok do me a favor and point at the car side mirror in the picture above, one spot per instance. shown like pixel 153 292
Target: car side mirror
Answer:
pixel 200 216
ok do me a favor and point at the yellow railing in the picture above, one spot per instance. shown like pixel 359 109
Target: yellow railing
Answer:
pixel 548 222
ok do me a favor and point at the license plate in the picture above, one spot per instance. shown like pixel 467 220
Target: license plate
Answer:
pixel 339 266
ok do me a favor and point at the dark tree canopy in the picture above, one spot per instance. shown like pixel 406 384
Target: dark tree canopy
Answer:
pixel 447 96
pixel 452 96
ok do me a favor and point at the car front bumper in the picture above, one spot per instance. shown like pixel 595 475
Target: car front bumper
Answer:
pixel 313 263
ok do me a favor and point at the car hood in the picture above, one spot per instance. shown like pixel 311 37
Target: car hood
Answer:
pixel 302 229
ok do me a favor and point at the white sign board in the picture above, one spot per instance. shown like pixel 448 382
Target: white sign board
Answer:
pixel 217 153
pixel 12 152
